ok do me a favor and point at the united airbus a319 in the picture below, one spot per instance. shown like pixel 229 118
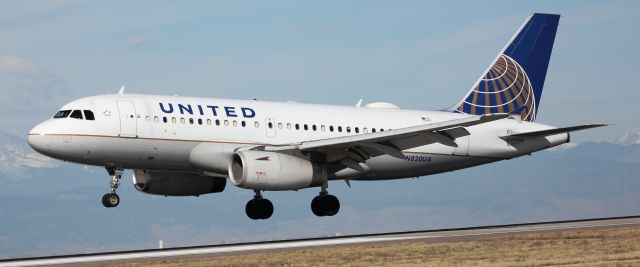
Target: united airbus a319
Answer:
pixel 187 146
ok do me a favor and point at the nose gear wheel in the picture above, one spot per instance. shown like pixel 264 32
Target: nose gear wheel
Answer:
pixel 111 200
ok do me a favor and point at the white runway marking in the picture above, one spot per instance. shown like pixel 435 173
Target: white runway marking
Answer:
pixel 321 242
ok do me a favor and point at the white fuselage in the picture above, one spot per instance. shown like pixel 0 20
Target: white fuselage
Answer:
pixel 159 133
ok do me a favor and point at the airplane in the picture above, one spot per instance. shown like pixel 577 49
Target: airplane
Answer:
pixel 189 146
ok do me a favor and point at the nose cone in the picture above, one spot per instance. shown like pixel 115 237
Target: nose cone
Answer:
pixel 38 140
pixel 40 143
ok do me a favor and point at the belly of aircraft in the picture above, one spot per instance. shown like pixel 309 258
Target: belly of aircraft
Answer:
pixel 129 153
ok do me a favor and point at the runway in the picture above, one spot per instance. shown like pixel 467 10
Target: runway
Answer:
pixel 440 235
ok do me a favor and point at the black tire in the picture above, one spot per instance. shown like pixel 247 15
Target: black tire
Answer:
pixel 104 201
pixel 265 208
pixel 112 200
pixel 317 207
pixel 331 205
pixel 251 209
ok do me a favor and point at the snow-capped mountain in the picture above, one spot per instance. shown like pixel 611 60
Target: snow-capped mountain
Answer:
pixel 17 158
pixel 630 138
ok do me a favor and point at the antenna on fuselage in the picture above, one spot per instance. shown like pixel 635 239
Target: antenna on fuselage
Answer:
pixel 121 92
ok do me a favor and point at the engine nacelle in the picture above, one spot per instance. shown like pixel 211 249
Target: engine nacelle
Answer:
pixel 176 183
pixel 211 157
pixel 274 171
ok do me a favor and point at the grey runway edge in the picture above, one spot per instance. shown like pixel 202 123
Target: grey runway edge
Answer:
pixel 212 250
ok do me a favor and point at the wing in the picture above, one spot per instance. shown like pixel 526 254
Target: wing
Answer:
pixel 350 150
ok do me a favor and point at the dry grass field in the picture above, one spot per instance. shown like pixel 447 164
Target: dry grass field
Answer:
pixel 602 247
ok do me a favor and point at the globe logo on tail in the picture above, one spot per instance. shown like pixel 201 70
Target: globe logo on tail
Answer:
pixel 505 88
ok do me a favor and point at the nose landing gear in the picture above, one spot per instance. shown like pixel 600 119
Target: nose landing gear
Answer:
pixel 259 208
pixel 111 200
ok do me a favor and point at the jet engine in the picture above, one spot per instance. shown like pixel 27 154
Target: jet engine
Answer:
pixel 274 171
pixel 176 183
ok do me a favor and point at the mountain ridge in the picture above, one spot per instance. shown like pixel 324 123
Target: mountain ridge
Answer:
pixel 16 157
pixel 631 137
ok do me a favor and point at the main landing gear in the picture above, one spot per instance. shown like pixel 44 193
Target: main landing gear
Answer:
pixel 111 200
pixel 259 208
pixel 325 204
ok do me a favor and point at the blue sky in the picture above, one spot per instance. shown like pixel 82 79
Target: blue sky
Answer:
pixel 417 54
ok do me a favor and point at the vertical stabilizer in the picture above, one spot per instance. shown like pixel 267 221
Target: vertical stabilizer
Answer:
pixel 513 83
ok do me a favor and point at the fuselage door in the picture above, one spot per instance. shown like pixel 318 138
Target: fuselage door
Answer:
pixel 271 127
pixel 463 146
pixel 128 119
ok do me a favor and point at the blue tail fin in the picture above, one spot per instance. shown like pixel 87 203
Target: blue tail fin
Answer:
pixel 513 83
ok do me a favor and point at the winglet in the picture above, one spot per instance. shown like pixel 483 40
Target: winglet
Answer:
pixel 359 103
pixel 121 92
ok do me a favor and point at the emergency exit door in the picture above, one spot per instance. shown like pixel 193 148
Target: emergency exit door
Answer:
pixel 271 127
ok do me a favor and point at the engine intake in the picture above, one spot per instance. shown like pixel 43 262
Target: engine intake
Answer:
pixel 176 183
pixel 274 171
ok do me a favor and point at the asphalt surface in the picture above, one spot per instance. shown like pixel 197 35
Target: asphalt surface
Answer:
pixel 441 235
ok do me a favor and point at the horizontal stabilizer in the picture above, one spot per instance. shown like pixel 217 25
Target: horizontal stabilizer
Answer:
pixel 553 131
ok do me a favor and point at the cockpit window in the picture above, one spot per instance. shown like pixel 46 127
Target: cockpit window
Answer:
pixel 88 115
pixel 76 114
pixel 62 114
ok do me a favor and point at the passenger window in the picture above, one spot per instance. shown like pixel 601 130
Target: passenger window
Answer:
pixel 235 123
pixel 76 114
pixel 208 121
pixel 306 127
pixel 217 122
pixel 348 129
pixel 190 120
pixel 297 126
pixel 331 128
pixel 289 126
pixel 226 122
pixel 200 121
pixel 357 130
pixel 164 119
pixel 243 123
pixel 339 128
pixel 322 128
pixel 270 125
pixel 146 118
pixel 88 115
pixel 256 124
pixel 279 125
pixel 365 130
pixel 313 127
pixel 62 114
pixel 173 120
pixel 182 120
pixel 373 130
pixel 156 119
